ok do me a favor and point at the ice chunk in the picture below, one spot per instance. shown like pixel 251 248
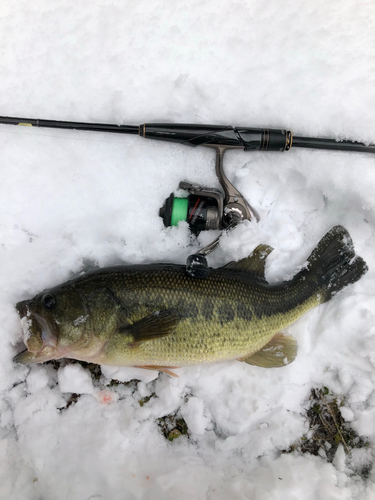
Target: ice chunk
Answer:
pixel 73 378
pixel 193 413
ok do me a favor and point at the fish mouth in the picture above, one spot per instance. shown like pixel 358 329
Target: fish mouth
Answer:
pixel 38 336
pixel 27 357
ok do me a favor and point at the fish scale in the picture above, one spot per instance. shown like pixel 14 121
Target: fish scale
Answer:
pixel 196 338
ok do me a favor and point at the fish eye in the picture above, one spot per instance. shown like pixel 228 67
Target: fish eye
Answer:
pixel 49 301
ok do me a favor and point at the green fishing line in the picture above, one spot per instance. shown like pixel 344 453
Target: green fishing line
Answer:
pixel 179 210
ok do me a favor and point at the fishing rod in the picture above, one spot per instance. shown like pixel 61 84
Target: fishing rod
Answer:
pixel 250 139
pixel 206 208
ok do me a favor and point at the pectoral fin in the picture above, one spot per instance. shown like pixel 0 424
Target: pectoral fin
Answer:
pixel 279 351
pixel 154 326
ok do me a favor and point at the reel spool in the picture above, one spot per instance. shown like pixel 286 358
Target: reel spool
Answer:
pixel 202 208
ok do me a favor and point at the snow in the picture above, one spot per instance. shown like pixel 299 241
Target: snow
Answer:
pixel 70 200
pixel 75 379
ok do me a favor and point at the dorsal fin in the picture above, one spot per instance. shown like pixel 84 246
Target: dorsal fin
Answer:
pixel 253 264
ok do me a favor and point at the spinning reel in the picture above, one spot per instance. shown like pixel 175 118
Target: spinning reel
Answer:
pixel 207 208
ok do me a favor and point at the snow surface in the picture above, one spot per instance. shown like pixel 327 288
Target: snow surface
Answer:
pixel 68 199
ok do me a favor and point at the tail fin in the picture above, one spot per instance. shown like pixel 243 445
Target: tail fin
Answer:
pixel 334 264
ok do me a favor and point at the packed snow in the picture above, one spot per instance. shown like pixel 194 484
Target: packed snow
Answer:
pixel 72 200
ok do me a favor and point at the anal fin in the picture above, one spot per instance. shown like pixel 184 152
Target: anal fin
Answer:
pixel 280 351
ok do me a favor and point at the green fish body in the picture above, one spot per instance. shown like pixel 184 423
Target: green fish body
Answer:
pixel 156 316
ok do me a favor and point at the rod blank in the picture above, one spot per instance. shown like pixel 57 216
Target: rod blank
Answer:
pixel 250 139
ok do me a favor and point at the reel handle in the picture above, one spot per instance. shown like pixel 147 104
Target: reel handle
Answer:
pixel 196 264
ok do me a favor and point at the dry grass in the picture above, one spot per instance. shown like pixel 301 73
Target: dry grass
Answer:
pixel 327 429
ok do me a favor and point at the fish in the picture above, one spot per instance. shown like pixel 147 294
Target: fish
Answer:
pixel 156 316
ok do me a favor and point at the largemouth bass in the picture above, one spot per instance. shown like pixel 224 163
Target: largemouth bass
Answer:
pixel 157 317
